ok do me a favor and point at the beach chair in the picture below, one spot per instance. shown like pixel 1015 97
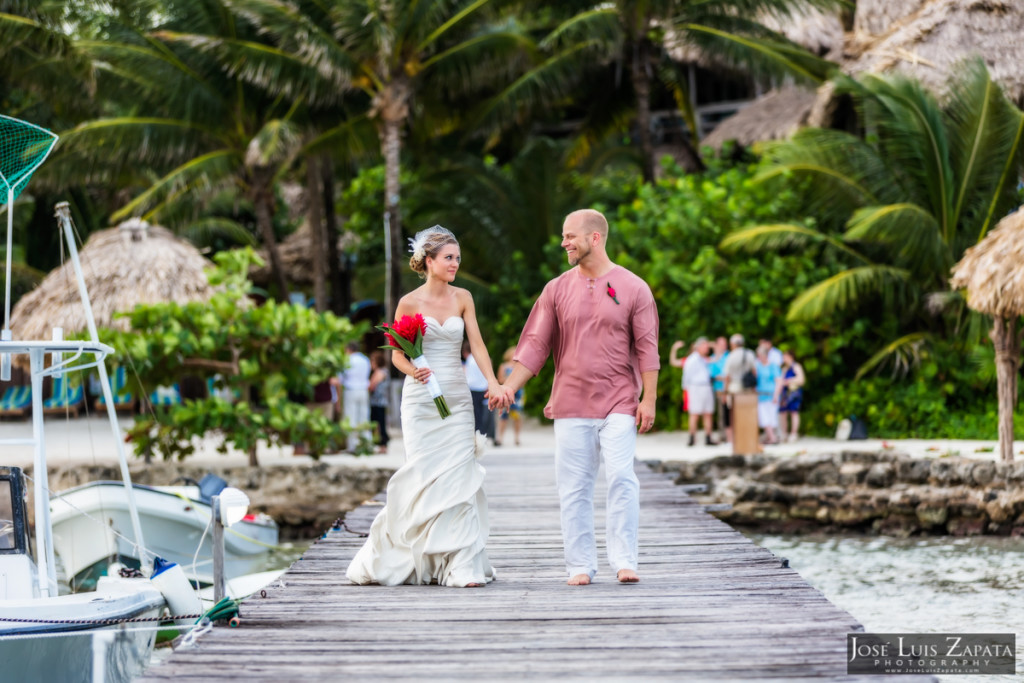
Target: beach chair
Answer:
pixel 123 399
pixel 16 401
pixel 67 397
pixel 229 395
pixel 166 396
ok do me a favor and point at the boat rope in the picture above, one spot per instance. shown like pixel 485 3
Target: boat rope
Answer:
pixel 95 622
pixel 227 608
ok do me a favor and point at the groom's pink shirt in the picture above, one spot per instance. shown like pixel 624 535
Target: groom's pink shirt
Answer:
pixel 600 346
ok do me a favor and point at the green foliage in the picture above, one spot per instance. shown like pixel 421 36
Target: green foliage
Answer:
pixel 668 233
pixel 945 400
pixel 278 350
pixel 900 203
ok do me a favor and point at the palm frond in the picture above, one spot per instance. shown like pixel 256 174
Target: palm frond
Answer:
pixel 596 25
pixel 906 231
pixel 207 230
pixel 847 289
pixel 845 172
pixel 548 81
pixel 269 67
pixel 759 56
pixel 985 136
pixel 784 236
pixel 207 168
pixel 904 354
pixel 911 131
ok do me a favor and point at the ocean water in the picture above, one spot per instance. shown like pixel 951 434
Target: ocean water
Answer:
pixel 917 585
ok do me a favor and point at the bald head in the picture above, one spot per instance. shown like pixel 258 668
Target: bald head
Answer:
pixel 589 220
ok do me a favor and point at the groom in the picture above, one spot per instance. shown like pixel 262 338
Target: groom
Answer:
pixel 601 323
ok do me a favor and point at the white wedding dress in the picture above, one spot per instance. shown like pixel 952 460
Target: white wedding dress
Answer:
pixel 434 526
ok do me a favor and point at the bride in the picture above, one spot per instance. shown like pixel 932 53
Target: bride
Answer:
pixel 434 527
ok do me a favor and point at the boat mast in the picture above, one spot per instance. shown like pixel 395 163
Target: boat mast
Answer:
pixel 64 218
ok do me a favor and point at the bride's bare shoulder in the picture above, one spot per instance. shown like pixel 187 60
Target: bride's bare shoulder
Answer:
pixel 410 303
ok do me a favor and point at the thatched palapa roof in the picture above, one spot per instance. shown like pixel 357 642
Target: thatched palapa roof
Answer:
pixel 990 270
pixel 134 263
pixel 930 40
pixel 819 32
pixel 875 17
pixel 773 116
pixel 926 39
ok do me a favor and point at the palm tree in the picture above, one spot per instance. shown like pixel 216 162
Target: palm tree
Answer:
pixel 198 133
pixel 400 54
pixel 926 180
pixel 639 34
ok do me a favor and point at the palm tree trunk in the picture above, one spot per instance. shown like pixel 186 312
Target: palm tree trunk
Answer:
pixel 392 147
pixel 317 242
pixel 1006 340
pixel 263 203
pixel 639 63
pixel 340 291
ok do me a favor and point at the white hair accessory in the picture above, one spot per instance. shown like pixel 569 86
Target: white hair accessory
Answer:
pixel 417 244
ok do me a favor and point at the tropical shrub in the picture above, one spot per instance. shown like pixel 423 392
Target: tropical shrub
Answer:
pixel 271 351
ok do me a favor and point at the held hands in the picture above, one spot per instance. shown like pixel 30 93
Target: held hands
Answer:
pixel 498 396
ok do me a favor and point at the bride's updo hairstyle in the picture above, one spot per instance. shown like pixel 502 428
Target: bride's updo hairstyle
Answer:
pixel 428 243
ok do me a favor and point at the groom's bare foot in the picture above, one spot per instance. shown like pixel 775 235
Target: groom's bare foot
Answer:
pixel 628 576
pixel 580 580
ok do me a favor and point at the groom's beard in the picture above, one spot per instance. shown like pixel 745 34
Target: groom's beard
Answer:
pixel 582 251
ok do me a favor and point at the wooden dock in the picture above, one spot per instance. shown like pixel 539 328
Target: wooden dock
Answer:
pixel 711 606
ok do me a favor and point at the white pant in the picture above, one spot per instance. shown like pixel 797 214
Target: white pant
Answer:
pixel 355 407
pixel 579 445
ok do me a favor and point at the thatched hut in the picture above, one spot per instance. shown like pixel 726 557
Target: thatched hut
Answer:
pixel 927 39
pixel 134 263
pixel 774 116
pixel 990 272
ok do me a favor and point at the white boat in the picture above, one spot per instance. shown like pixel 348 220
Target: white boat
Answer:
pixel 91 525
pixel 46 636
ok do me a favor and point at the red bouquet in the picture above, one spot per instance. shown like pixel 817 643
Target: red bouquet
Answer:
pixel 406 335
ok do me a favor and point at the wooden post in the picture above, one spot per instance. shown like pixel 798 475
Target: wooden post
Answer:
pixel 218 550
pixel 1006 340
pixel 744 424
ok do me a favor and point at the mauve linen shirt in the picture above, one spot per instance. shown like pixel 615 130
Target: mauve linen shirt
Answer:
pixel 600 346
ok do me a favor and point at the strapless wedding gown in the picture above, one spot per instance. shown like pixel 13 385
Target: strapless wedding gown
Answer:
pixel 434 526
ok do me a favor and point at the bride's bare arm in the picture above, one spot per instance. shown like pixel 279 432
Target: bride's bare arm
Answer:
pixel 398 358
pixel 476 343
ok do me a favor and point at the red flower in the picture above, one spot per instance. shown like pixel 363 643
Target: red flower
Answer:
pixel 406 335
pixel 611 293
pixel 405 327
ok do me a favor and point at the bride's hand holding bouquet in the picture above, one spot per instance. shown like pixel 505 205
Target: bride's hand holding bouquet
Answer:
pixel 406 335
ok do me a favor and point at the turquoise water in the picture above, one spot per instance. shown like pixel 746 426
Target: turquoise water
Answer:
pixel 932 585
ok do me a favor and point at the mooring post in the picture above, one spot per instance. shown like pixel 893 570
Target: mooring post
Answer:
pixel 218 551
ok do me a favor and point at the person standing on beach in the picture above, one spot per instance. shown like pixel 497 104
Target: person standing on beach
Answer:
pixel 354 382
pixel 600 322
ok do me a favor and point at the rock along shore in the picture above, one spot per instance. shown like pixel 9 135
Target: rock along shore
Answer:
pixel 304 499
pixel 875 492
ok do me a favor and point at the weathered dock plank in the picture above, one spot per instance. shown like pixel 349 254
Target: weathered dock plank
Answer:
pixel 711 606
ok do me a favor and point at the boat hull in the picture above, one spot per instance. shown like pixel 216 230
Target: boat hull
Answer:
pixel 173 523
pixel 66 651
